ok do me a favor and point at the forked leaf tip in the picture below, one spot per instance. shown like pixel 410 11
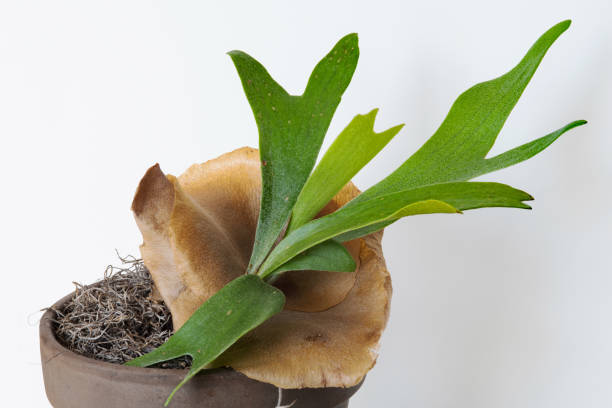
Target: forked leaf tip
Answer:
pixel 562 25
pixel 373 112
pixel 349 40
pixel 525 196
pixel 398 127
pixel 351 36
pixel 234 53
pixel 573 125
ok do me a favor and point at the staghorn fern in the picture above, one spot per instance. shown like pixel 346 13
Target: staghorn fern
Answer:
pixel 291 131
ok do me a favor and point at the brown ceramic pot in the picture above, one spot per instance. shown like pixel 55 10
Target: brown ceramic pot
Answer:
pixel 75 381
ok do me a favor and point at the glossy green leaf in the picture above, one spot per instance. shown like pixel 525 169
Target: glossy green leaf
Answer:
pixel 291 131
pixel 369 229
pixel 457 151
pixel 457 197
pixel 327 256
pixel 354 147
pixel 237 308
pixel 421 207
pixel 523 152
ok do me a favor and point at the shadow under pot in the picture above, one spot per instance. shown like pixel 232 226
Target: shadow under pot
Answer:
pixel 75 381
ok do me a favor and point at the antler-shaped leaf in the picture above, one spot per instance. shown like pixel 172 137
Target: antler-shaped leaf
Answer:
pixel 291 131
pixel 457 151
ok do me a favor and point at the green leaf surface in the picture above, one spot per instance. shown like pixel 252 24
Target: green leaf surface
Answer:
pixel 421 207
pixel 447 197
pixel 368 229
pixel 291 131
pixel 327 256
pixel 523 152
pixel 457 151
pixel 354 147
pixel 237 308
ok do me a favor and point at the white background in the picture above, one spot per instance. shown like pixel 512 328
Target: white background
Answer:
pixel 494 308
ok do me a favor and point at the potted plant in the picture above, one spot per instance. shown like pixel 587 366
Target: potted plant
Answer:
pixel 273 266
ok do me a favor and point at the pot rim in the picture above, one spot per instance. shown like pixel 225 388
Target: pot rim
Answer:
pixel 48 336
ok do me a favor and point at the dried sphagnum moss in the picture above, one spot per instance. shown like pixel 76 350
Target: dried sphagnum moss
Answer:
pixel 116 319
